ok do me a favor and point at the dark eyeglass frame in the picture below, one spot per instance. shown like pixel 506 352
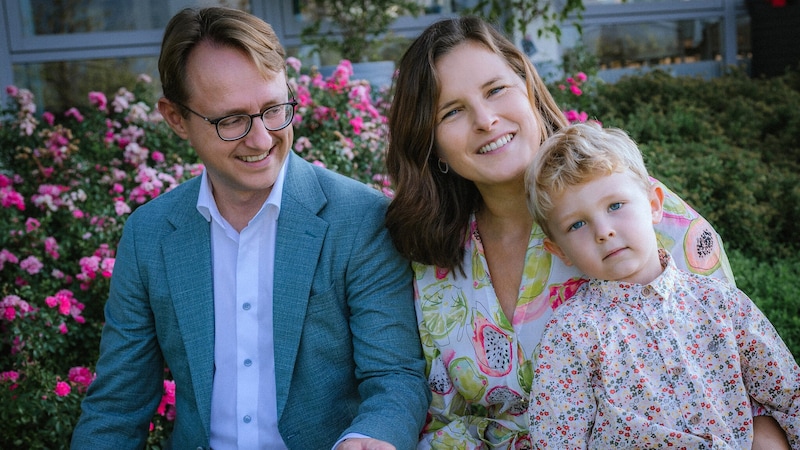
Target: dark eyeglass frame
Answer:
pixel 216 121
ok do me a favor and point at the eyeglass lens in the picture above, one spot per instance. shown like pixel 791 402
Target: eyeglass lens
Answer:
pixel 274 118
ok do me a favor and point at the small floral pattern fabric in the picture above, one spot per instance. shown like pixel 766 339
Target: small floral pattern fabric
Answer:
pixel 668 364
pixel 481 363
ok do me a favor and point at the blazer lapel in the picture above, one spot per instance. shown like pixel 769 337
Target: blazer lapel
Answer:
pixel 187 257
pixel 301 233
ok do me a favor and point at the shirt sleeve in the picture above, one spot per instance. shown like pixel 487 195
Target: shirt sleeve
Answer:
pixel 771 374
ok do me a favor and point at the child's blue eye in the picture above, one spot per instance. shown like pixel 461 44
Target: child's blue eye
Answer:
pixel 576 225
pixel 615 206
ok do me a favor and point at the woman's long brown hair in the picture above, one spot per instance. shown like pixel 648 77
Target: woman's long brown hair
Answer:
pixel 429 214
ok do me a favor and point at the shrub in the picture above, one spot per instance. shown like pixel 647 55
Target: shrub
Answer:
pixel 67 184
pixel 728 145
pixel 773 288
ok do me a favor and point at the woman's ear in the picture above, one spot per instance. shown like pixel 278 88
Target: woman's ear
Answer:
pixel 172 115
pixel 657 202
pixel 553 248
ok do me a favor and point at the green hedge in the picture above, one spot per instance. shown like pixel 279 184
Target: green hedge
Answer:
pixel 730 146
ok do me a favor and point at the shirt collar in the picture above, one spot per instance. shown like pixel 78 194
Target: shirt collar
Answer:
pixel 663 285
pixel 207 206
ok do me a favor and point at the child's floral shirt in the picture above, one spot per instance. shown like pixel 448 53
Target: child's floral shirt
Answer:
pixel 669 364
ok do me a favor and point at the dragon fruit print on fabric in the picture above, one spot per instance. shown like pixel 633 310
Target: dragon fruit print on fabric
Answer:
pixel 492 347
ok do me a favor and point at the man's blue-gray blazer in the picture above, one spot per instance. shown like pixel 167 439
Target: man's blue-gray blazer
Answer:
pixel 347 351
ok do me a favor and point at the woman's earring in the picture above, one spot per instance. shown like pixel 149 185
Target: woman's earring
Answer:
pixel 446 167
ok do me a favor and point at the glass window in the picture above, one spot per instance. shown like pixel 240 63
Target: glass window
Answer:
pixel 48 17
pixel 653 43
pixel 60 85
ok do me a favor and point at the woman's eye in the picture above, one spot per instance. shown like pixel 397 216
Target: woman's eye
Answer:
pixel 496 90
pixel 615 206
pixel 576 225
pixel 450 113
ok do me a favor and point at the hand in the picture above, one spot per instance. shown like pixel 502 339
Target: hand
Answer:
pixel 768 435
pixel 364 444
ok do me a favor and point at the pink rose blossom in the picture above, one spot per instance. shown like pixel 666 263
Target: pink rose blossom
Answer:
pixel 168 398
pixel 48 117
pixel 75 114
pixel 11 375
pixel 81 376
pixel 51 247
pixel 62 389
pixel 98 99
pixel 7 256
pixel 31 225
pixel 63 328
pixel 9 197
pixel 31 264
pixel 121 208
pixel 301 144
pixel 294 63
pixel 357 123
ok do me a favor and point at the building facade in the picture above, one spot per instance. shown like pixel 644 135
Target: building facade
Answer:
pixel 62 49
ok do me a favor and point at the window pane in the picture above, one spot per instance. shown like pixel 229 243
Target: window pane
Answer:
pixel 651 43
pixel 47 17
pixel 615 2
pixel 302 9
pixel 58 86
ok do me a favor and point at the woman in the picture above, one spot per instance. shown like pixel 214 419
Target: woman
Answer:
pixel 469 113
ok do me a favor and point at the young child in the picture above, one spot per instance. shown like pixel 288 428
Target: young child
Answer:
pixel 644 355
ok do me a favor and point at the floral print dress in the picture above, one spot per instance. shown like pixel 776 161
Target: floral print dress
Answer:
pixel 480 362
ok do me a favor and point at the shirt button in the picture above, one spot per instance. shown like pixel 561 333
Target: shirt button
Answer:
pixel 646 291
pixel 661 325
pixel 695 419
pixel 247 419
pixel 246 306
pixel 248 362
pixel 677 371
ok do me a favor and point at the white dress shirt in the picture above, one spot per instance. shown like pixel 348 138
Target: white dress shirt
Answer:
pixel 243 401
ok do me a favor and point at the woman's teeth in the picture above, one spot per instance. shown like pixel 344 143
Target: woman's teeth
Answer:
pixel 496 144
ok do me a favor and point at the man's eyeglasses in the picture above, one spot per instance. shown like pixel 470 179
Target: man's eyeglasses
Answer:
pixel 236 126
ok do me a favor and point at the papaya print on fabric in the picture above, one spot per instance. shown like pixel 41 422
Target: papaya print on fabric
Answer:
pixel 480 363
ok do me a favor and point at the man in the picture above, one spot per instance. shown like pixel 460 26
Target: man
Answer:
pixel 268 286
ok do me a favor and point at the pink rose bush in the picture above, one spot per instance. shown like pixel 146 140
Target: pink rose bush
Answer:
pixel 571 96
pixel 68 182
pixel 340 122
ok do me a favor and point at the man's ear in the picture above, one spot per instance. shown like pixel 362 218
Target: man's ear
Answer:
pixel 172 115
pixel 657 202
pixel 553 248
